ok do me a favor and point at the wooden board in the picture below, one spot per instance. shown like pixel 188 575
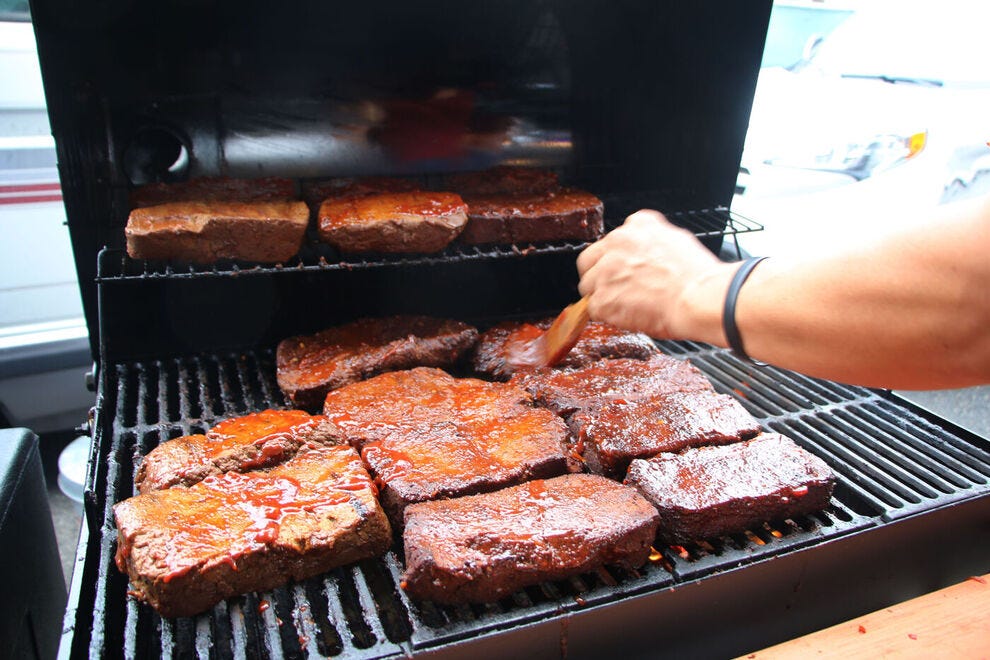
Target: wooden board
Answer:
pixel 950 623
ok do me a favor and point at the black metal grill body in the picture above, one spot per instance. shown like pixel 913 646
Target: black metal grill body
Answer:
pixel 911 512
pixel 645 104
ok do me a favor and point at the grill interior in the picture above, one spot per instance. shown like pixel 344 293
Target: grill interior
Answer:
pixel 890 461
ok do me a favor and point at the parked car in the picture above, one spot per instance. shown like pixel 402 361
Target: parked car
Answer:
pixel 44 348
pixel 886 119
pixel 797 28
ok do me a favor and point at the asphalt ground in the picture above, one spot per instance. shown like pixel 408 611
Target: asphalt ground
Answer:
pixel 968 407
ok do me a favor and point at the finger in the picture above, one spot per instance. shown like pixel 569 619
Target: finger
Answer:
pixel 646 217
pixel 590 256
pixel 592 306
pixel 586 285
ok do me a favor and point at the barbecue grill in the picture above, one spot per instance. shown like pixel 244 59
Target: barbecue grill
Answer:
pixel 644 104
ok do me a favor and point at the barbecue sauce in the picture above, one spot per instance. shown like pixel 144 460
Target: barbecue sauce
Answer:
pixel 385 207
pixel 525 348
pixel 423 432
pixel 226 516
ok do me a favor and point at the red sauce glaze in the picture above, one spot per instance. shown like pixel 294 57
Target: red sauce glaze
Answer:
pixel 503 179
pixel 422 432
pixel 537 489
pixel 389 206
pixel 258 428
pixel 526 348
pixel 624 379
pixel 226 516
pixel 503 348
pixel 327 356
pixel 529 205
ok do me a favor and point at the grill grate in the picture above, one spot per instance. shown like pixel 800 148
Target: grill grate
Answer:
pixel 115 265
pixel 890 463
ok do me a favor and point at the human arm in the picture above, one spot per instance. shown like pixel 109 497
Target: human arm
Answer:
pixel 909 311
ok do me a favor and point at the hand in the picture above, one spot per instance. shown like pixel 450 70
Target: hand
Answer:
pixel 641 276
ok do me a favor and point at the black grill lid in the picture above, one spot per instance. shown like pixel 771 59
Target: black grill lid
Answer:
pixel 630 100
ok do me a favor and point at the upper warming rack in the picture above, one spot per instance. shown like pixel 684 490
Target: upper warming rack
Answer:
pixel 315 256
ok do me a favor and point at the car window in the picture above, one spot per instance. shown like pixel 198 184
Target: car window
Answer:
pixel 940 42
pixel 33 291
pixel 797 27
pixel 884 121
pixel 15 10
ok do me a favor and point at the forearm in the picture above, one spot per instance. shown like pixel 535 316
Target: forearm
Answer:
pixel 913 312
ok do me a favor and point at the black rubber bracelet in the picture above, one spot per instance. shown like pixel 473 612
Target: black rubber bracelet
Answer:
pixel 729 311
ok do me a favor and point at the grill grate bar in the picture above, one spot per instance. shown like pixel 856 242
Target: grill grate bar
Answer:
pixel 790 392
pixel 210 405
pixel 369 607
pixel 238 631
pixel 167 636
pixel 188 408
pixel 931 468
pixel 110 586
pixel 283 603
pixel 304 622
pixel 897 471
pixel 145 415
pixel 267 624
pixel 221 629
pixel 969 462
pixel 864 479
pixel 204 637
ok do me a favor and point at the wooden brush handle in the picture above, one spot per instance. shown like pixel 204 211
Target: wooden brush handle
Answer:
pixel 563 334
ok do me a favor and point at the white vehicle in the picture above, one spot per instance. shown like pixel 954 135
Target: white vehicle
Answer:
pixel 887 118
pixel 44 350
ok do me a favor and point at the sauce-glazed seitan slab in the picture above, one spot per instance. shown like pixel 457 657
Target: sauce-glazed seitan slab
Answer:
pixel 620 380
pixel 618 410
pixel 239 444
pixel 482 548
pixel 557 215
pixel 392 222
pixel 597 341
pixel 711 491
pixel 208 231
pixel 309 366
pixel 426 435
pixel 186 549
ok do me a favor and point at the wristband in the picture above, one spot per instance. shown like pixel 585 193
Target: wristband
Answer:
pixel 729 310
